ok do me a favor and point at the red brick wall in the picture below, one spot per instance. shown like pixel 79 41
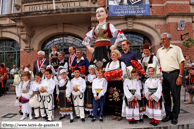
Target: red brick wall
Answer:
pixel 176 34
pixel 184 49
pixel 26 58
pixel 101 2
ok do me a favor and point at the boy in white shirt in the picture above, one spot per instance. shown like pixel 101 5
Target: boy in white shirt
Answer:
pixel 99 88
pixel 36 93
pixel 78 89
pixel 46 90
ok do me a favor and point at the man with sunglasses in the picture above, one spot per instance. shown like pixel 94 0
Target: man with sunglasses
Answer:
pixel 127 55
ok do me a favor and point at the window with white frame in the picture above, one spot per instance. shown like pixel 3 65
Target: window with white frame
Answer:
pixel 13 8
pixel 4 6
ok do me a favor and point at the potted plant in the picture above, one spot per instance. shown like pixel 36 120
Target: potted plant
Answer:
pixel 188 43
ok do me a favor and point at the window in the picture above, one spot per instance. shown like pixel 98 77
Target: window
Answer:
pixel 9 52
pixel 63 42
pixel 13 8
pixel 4 6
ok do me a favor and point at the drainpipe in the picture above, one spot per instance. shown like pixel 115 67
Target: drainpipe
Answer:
pixel 19 44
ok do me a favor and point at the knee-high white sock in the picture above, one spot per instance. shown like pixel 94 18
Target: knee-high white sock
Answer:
pixel 30 116
pixel 23 117
pixel 90 112
pixel 71 116
pixel 141 116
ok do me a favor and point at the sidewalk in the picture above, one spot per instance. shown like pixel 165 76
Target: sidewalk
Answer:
pixel 7 106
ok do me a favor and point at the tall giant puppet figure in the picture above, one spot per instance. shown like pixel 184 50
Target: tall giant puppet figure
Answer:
pixel 102 34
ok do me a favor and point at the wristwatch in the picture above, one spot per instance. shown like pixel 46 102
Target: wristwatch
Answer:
pixel 180 76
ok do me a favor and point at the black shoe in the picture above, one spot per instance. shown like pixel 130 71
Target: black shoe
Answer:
pixel 154 124
pixel 21 113
pixel 82 119
pixel 94 119
pixel 135 122
pixel 151 123
pixel 36 117
pixel 61 117
pixel 141 121
pixel 174 121
pixel 130 122
pixel 166 119
pixel 48 120
pixel 90 116
pixel 77 117
pixel 101 120
pixel 71 120
pixel 45 117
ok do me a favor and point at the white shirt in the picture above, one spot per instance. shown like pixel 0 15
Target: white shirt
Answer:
pixel 90 78
pixel 51 83
pixel 82 58
pixel 43 77
pixel 132 85
pixel 170 58
pixel 153 83
pixel 114 32
pixel 155 60
pixel 35 86
pixel 68 86
pixel 80 81
pixel 114 65
pixel 23 87
pixel 26 69
pixel 13 71
pixel 99 84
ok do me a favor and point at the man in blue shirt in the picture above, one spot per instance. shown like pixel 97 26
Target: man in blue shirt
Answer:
pixel 127 55
pixel 81 61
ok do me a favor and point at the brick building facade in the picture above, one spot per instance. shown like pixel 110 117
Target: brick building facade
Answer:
pixel 36 21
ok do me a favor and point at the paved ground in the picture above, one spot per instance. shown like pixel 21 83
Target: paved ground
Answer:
pixel 185 120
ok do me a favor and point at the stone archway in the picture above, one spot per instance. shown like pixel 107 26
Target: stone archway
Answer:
pixel 51 31
pixel 139 27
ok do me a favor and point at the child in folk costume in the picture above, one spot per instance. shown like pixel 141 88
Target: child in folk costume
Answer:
pixel 153 92
pixel 64 96
pixel 53 56
pixel 36 93
pixel 142 102
pixel 56 90
pixel 88 93
pixel 23 95
pixel 99 88
pixel 59 69
pixel 17 80
pixel 78 89
pixel 130 108
pixel 46 92
pixel 43 70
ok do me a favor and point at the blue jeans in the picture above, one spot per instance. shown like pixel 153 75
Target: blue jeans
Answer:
pixel 98 103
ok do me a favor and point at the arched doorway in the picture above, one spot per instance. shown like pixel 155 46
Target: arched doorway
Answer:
pixel 62 42
pixel 136 42
pixel 9 52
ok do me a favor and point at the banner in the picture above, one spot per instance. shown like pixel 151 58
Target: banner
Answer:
pixel 129 7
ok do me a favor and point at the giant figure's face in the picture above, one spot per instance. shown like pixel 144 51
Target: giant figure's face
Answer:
pixel 101 14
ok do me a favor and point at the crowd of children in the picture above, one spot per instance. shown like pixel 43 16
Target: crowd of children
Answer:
pixel 88 94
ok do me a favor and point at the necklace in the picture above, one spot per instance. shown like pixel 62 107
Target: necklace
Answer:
pixel 100 26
